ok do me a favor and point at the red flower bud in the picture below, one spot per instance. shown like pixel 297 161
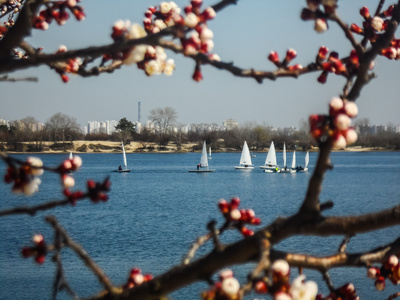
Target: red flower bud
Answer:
pixel 323 51
pixel 364 12
pixel 356 29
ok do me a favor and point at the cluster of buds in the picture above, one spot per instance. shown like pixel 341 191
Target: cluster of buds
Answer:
pixel 345 292
pixel 238 218
pixel 58 11
pixel 337 125
pixel 290 55
pixel 226 288
pixel 10 7
pixel 25 177
pixel 97 191
pixel 69 66
pixel 68 166
pixel 38 250
pixel 372 26
pixel 390 269
pixel 315 10
pixel 137 278
pixel 158 18
pixel 332 64
pixel 153 60
pixel 280 286
pixel 198 41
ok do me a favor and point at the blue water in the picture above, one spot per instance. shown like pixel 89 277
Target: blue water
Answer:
pixel 155 212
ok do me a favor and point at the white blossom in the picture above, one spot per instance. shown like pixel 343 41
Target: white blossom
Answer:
pixel 136 32
pixel 165 7
pixel 191 20
pixel 320 25
pixel 136 55
pixel 153 67
pixel 301 290
pixel 377 23
pixel 169 67
pixel 230 286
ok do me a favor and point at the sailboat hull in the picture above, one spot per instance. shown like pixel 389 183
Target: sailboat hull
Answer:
pixel 244 167
pixel 201 171
pixel 122 171
pixel 271 170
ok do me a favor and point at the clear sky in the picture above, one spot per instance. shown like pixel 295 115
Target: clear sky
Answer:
pixel 244 34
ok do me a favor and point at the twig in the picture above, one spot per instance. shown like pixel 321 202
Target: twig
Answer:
pixel 103 279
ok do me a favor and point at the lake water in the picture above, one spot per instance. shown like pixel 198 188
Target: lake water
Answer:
pixel 155 212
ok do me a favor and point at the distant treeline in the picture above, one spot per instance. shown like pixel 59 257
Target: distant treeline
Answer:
pixel 26 139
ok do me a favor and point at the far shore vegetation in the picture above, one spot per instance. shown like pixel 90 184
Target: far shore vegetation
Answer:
pixel 62 134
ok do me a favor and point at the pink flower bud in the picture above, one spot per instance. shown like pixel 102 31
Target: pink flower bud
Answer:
pixel 323 51
pixel 290 55
pixel 351 136
pixel 364 12
pixel 377 23
pixel 342 122
pixel 323 77
pixel 281 268
pixel 336 104
pixel 68 181
pixel 320 25
pixel 235 202
pixel 226 273
pixel 282 296
pixel 191 20
pixel 351 109
pixel 230 286
pixel 208 14
pixel 235 214
pixel 274 57
pixel 380 283
pixel 138 279
pixel 373 273
pixel 391 262
pixel 339 142
pixel 390 52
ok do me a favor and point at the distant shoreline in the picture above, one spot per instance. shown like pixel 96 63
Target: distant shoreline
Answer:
pixel 152 148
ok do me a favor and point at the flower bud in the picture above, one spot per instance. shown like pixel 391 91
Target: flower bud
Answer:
pixel 351 109
pixel 351 136
pixel 320 25
pixel 339 142
pixel 230 286
pixel 342 122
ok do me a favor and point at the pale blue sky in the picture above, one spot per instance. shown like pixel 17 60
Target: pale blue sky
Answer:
pixel 244 34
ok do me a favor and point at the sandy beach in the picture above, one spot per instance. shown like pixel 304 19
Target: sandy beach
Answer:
pixel 115 147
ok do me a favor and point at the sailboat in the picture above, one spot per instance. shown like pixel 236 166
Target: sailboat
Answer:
pixel 270 165
pixel 245 158
pixel 125 168
pixel 306 161
pixel 202 167
pixel 209 153
pixel 285 169
pixel 71 156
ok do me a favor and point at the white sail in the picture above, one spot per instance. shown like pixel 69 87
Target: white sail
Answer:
pixel 294 160
pixel 123 152
pixel 306 160
pixel 271 156
pixel 204 160
pixel 209 153
pixel 284 155
pixel 71 156
pixel 245 158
